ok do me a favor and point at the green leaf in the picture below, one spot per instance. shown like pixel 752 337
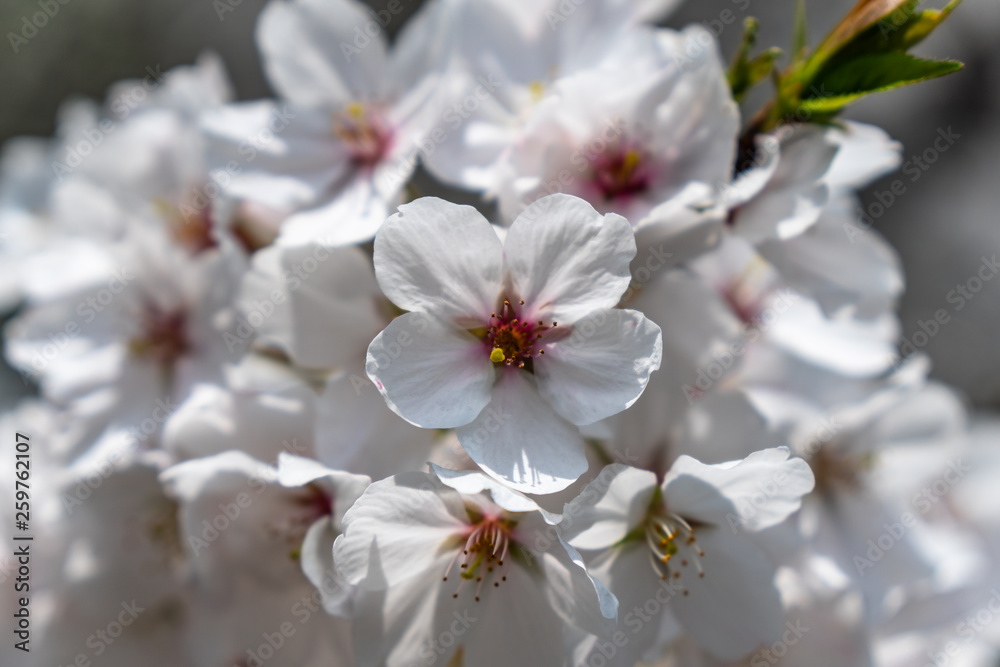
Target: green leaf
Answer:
pixel 878 71
pixel 866 74
pixel 901 30
pixel 862 16
pixel 924 23
pixel 865 53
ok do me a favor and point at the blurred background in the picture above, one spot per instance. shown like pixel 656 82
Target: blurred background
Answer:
pixel 943 225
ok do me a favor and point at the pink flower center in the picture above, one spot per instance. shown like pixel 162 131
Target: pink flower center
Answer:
pixel 513 341
pixel 366 134
pixel 163 338
pixel 189 219
pixel 620 173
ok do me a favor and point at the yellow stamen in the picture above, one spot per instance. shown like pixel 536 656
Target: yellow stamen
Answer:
pixel 497 355
pixel 537 89
pixel 356 110
pixel 631 161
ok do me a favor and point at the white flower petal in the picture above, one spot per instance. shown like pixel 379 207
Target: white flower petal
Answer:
pixel 471 482
pixel 440 258
pixel 795 195
pixel 353 215
pixel 189 480
pixel 865 153
pixel 696 120
pixel 844 344
pixel 735 607
pixel 344 487
pixel 608 508
pixel 566 260
pixel 516 626
pixel 677 230
pixel 756 493
pixel 317 304
pixel 406 519
pixel 602 368
pixel 213 419
pixel 289 156
pixel 629 575
pixel 319 568
pixel 521 441
pixel 754 174
pixel 431 374
pixel 839 263
pixel 356 430
pixel 392 626
pixel 311 56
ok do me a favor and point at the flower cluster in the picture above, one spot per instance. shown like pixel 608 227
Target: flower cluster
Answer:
pixel 641 404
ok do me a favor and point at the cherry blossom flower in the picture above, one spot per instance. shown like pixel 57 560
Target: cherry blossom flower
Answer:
pixel 260 537
pixel 690 543
pixel 340 145
pixel 661 124
pixel 433 548
pixel 515 343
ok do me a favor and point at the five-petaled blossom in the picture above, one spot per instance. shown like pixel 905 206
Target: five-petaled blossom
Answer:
pixel 693 543
pixel 515 343
pixel 456 553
